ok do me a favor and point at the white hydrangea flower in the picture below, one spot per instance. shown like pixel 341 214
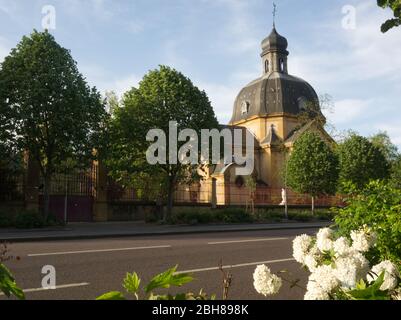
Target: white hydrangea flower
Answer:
pixel 312 258
pixel 265 282
pixel 351 269
pixel 324 278
pixel 324 239
pixel 301 246
pixel 311 263
pixel 342 247
pixel 391 275
pixel 363 240
pixel 316 293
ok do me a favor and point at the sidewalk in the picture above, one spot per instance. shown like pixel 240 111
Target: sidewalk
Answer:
pixel 131 229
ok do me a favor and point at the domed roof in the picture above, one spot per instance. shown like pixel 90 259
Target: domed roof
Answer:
pixel 274 42
pixel 274 93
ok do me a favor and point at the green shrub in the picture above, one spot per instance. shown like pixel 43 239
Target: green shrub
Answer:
pixel 377 206
pixel 204 216
pixel 29 220
pixel 301 216
pixel 270 216
pixel 232 215
pixel 325 215
pixel 52 220
pixel 5 220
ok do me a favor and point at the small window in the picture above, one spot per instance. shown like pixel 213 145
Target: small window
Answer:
pixel 281 65
pixel 239 182
pixel 302 104
pixel 245 107
pixel 267 66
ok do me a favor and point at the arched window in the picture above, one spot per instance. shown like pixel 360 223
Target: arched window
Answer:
pixel 267 66
pixel 281 65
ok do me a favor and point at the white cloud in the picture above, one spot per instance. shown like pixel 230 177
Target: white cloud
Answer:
pixel 348 110
pixel 222 98
pixel 238 31
pixel 8 7
pixel 355 55
pixel 134 27
pixel 104 81
pixel 5 48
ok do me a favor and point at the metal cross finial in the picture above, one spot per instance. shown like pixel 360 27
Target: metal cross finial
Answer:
pixel 274 14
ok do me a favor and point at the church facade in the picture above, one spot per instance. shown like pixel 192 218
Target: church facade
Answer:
pixel 272 108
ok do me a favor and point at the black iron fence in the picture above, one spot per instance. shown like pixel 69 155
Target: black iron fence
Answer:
pixel 84 184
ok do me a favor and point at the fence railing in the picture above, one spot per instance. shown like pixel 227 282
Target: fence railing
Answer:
pixel 11 187
pixel 226 194
pixel 84 183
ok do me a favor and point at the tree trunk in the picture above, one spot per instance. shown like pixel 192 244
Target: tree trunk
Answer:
pixel 170 199
pixel 46 196
pixel 313 205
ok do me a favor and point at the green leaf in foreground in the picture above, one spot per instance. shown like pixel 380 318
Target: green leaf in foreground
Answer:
pixel 114 295
pixel 371 292
pixel 168 279
pixel 132 282
pixel 8 284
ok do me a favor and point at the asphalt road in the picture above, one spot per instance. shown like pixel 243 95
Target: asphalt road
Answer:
pixel 87 268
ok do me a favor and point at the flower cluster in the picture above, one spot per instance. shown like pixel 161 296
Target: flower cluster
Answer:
pixel 339 268
pixel 265 282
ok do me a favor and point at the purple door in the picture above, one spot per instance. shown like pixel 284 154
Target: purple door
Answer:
pixel 79 208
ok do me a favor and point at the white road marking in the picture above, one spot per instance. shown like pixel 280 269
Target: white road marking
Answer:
pixel 236 266
pixel 246 241
pixel 65 286
pixel 94 251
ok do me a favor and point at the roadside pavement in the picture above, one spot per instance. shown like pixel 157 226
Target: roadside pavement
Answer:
pixel 129 229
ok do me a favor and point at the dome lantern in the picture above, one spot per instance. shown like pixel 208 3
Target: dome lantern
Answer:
pixel 274 53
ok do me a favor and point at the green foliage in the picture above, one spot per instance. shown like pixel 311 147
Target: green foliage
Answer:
pixel 131 283
pixel 54 114
pixel 378 206
pixel 163 95
pixel 383 142
pixel 369 292
pixel 165 280
pixel 5 220
pixel 395 6
pixel 238 215
pixel 361 161
pixel 204 216
pixel 113 295
pixel 312 167
pixel 396 173
pixel 8 285
pixel 304 216
pixel 29 220
pixel 233 215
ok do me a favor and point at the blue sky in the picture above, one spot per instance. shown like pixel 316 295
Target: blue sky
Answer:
pixel 216 43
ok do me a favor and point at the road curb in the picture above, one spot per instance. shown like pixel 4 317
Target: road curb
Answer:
pixel 160 233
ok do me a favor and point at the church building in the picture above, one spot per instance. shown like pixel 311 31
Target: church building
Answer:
pixel 276 108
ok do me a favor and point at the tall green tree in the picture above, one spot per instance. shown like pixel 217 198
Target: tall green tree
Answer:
pixel 396 173
pixel 312 167
pixel 393 157
pixel 361 161
pixel 384 143
pixel 163 95
pixel 395 6
pixel 55 115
